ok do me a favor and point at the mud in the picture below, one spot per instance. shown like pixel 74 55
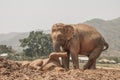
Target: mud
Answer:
pixel 11 70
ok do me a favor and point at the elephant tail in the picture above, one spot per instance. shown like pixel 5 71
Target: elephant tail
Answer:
pixel 106 46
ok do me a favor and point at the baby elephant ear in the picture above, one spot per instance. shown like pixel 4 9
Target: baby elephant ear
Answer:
pixel 69 31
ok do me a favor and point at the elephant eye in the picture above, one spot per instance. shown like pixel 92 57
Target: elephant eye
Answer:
pixel 53 30
pixel 61 30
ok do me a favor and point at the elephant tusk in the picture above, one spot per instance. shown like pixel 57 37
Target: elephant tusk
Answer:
pixel 61 48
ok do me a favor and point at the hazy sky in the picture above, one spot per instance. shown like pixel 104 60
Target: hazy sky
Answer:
pixel 27 15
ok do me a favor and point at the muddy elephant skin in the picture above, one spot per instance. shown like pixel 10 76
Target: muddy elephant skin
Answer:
pixel 78 39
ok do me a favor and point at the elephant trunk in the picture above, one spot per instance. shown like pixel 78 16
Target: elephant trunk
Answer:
pixel 58 48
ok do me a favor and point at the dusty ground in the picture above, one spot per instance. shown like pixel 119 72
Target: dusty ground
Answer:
pixel 10 70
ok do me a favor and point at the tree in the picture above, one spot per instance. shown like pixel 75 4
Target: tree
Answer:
pixel 5 49
pixel 37 44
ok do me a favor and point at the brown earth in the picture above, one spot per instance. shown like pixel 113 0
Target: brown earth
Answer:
pixel 11 70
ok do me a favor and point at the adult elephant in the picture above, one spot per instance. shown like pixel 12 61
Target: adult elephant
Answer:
pixel 78 39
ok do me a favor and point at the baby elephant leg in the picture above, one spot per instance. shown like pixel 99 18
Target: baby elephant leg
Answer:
pixel 36 64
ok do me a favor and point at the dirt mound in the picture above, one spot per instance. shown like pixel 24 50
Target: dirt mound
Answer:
pixel 10 70
pixel 8 66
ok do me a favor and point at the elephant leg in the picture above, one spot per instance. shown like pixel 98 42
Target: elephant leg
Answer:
pixel 91 64
pixel 87 65
pixel 64 63
pixel 75 60
pixel 68 59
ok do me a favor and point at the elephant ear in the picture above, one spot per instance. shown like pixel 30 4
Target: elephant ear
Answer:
pixel 69 31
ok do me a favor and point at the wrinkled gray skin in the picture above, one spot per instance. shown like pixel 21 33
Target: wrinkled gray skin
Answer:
pixel 78 39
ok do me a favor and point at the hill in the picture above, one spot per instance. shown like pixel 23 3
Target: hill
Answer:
pixel 111 31
pixel 12 39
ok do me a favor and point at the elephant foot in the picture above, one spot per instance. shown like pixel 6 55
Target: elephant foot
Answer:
pixel 93 67
pixel 89 67
pixel 76 67
pixel 66 68
pixel 85 67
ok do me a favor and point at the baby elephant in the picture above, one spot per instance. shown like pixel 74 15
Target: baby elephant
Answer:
pixel 51 63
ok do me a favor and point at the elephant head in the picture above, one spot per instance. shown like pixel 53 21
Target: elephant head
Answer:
pixel 60 35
